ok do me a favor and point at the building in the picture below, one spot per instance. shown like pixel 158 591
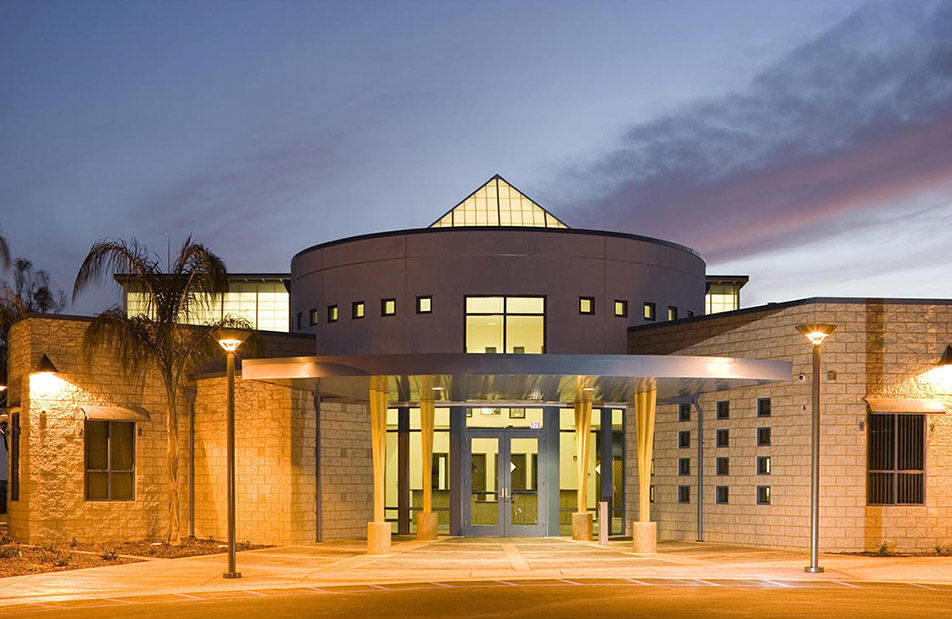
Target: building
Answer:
pixel 497 373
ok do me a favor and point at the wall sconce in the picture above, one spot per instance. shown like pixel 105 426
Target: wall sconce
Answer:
pixel 45 366
pixel 946 356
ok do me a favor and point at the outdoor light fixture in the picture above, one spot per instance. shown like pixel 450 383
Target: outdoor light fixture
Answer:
pixel 45 366
pixel 946 356
pixel 230 340
pixel 815 334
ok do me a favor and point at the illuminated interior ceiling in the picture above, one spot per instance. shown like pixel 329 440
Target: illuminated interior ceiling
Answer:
pixel 497 203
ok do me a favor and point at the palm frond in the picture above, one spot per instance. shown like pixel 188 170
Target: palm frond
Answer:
pixel 130 341
pixel 201 276
pixel 4 252
pixel 110 256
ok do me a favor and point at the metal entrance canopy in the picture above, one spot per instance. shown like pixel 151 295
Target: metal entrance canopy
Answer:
pixel 526 379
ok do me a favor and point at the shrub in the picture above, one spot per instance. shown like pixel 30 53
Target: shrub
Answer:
pixel 9 551
pixel 109 555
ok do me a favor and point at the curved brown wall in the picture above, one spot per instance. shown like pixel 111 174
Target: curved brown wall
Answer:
pixel 452 263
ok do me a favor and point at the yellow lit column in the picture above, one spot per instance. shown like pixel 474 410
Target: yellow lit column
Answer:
pixel 378 531
pixel 644 532
pixel 581 519
pixel 427 521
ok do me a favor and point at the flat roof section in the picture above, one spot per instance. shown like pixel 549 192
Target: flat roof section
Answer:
pixel 523 379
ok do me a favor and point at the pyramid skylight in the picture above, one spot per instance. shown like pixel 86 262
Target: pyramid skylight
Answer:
pixel 497 203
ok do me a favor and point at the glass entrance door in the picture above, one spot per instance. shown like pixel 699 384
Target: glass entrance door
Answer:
pixel 503 482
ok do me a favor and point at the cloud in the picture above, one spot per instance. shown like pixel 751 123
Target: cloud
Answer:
pixel 848 123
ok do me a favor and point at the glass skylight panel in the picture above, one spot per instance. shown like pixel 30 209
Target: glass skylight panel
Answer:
pixel 497 203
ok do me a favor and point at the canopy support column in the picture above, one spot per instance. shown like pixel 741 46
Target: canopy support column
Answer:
pixel 644 532
pixel 582 519
pixel 378 531
pixel 427 520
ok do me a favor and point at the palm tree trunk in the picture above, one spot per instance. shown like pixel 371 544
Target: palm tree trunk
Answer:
pixel 174 530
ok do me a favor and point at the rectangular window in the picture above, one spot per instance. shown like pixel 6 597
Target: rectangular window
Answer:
pixel 332 313
pixel 649 311
pixel 763 495
pixel 512 325
pixel 358 310
pixel 763 407
pixel 15 457
pixel 684 439
pixel 723 438
pixel 763 465
pixel 684 466
pixel 110 460
pixel 300 318
pixel 684 412
pixel 672 312
pixel 424 305
pixel 313 317
pixel 763 437
pixel 586 305
pixel 684 494
pixel 722 495
pixel 388 307
pixel 895 459
pixel 723 466
pixel 621 308
pixel 651 494
pixel 723 409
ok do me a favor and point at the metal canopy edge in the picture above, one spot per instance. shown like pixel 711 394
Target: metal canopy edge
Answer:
pixel 920 406
pixel 115 413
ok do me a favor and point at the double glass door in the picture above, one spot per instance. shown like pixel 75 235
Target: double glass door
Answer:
pixel 504 485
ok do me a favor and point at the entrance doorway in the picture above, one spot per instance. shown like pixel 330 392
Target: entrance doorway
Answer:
pixel 503 481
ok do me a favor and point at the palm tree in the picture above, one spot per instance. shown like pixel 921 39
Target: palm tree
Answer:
pixel 4 252
pixel 160 339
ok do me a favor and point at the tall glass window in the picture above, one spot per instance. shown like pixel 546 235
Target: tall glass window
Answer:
pixel 512 325
pixel 110 460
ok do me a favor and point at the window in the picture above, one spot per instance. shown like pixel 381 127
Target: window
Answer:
pixel 424 305
pixel 332 313
pixel 684 439
pixel 684 494
pixel 723 438
pixel 651 494
pixel 15 457
pixel 895 459
pixel 763 495
pixel 512 325
pixel 722 495
pixel 621 308
pixel 723 409
pixel 672 312
pixel 723 466
pixel 763 407
pixel 684 412
pixel 586 305
pixel 110 460
pixel 300 317
pixel 684 466
pixel 358 310
pixel 722 298
pixel 763 437
pixel 763 465
pixel 690 314
pixel 313 317
pixel 649 311
pixel 388 307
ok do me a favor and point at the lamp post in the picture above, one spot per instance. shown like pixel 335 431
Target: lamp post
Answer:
pixel 815 333
pixel 230 340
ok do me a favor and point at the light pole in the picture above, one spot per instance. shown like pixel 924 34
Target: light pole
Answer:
pixel 815 333
pixel 230 340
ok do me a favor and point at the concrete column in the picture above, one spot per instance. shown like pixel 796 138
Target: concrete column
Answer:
pixel 644 532
pixel 378 531
pixel 581 519
pixel 427 521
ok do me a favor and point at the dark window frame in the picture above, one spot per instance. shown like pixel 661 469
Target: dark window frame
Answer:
pixel 15 431
pixel 899 449
pixel 353 310
pixel 763 495
pixel 760 407
pixel 718 498
pixel 684 494
pixel 684 412
pixel 684 444
pixel 333 313
pixel 727 438
pixel 684 467
pixel 726 461
pixel 763 460
pixel 624 308
pixel 419 304
pixel 763 436
pixel 383 307
pixel 312 316
pixel 505 317
pixel 672 313
pixel 300 320
pixel 109 471
pixel 722 409
pixel 649 311
pixel 591 306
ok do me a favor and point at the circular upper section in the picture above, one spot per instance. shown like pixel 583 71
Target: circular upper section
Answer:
pixel 569 291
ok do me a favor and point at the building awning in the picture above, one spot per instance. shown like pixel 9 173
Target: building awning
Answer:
pixel 915 406
pixel 115 413
pixel 526 379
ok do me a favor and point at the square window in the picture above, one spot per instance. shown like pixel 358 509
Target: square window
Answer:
pixel 723 466
pixel 586 305
pixel 763 437
pixel 358 310
pixel 684 439
pixel 672 312
pixel 763 495
pixel 332 314
pixel 763 407
pixel 684 466
pixel 723 409
pixel 722 495
pixel 621 308
pixel 313 317
pixel 763 465
pixel 424 305
pixel 684 494
pixel 684 412
pixel 723 438
pixel 649 311
pixel 388 307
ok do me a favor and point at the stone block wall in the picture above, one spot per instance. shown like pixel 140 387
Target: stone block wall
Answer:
pixel 346 470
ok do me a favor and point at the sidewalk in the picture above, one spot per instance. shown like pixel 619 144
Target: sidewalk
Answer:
pixel 455 560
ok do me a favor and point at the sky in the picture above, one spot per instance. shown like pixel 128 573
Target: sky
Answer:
pixel 805 143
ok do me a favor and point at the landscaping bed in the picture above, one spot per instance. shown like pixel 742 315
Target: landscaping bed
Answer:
pixel 190 547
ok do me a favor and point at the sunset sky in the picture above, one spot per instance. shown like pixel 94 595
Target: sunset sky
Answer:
pixel 807 144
